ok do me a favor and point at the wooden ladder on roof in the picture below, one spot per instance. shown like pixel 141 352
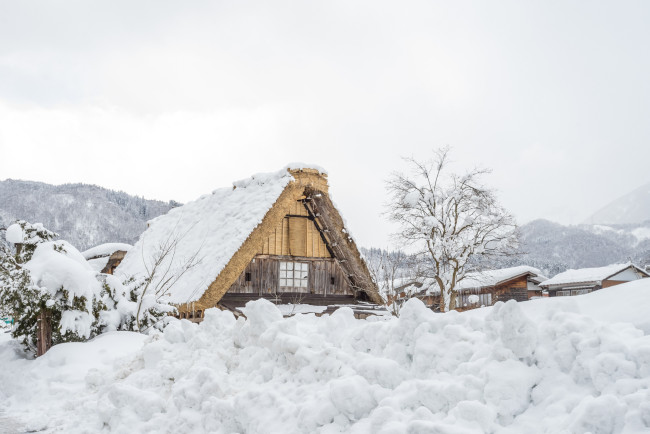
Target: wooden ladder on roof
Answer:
pixel 311 205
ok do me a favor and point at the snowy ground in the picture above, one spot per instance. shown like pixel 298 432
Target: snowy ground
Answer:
pixel 575 365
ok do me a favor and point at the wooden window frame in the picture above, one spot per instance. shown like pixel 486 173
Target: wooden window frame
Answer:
pixel 293 275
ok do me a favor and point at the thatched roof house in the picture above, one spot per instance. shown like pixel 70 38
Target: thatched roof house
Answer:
pixel 274 235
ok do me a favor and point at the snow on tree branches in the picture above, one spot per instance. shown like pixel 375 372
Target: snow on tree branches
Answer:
pixel 51 280
pixel 452 219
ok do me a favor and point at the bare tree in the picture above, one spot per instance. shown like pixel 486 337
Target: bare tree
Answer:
pixel 162 273
pixel 398 275
pixel 451 219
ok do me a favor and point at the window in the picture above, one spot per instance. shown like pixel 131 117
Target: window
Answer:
pixel 579 291
pixel 482 299
pixel 247 277
pixel 294 274
pixel 563 293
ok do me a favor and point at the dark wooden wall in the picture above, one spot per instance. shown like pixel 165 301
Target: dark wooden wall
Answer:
pixel 325 277
pixel 516 289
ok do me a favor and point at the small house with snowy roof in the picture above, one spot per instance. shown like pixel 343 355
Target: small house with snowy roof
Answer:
pixel 478 289
pixel 275 235
pixel 105 258
pixel 585 280
pixel 487 287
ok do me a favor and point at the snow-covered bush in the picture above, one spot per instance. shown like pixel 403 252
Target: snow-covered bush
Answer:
pixel 137 310
pixel 53 277
pixel 19 297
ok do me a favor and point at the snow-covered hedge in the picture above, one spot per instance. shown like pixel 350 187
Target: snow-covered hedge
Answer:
pixel 54 277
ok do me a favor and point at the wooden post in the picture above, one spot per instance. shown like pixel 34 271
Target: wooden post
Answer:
pixel 43 333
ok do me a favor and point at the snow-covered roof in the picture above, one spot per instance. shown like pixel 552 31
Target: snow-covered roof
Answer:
pixel 212 228
pixel 587 275
pixel 106 249
pixel 495 277
pixel 98 264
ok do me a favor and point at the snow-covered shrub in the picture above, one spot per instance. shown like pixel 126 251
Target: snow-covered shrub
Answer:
pixel 138 310
pixel 53 277
pixel 19 297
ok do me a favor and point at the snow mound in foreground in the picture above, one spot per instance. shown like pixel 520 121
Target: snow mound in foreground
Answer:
pixel 535 367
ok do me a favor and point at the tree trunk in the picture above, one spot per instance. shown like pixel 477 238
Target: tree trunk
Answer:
pixel 43 333
pixel 452 300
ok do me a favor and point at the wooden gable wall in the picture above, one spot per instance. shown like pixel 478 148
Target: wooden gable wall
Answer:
pixel 325 277
pixel 296 235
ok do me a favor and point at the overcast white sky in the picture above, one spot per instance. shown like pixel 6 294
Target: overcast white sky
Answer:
pixel 171 100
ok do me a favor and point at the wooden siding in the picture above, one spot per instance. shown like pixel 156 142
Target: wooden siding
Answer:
pixel 296 235
pixel 325 277
pixel 608 283
pixel 514 289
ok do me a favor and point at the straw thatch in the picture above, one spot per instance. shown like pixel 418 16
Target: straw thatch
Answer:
pixel 309 186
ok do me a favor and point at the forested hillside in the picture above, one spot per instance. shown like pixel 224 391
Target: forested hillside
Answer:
pixel 85 215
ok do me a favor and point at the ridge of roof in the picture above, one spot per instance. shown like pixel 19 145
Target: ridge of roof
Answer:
pixel 589 275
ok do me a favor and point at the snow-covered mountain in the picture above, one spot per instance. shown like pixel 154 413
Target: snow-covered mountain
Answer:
pixel 632 208
pixel 554 248
pixel 618 232
pixel 85 215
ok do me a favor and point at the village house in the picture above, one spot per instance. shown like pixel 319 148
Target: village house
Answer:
pixel 479 288
pixel 276 236
pixel 105 258
pixel 487 287
pixel 586 280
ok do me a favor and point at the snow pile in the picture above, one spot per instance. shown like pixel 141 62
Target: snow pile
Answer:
pixel 99 264
pixel 294 309
pixel 57 380
pixel 212 228
pixel 14 234
pixel 534 367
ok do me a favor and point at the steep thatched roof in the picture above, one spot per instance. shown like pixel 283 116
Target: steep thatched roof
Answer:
pixel 225 230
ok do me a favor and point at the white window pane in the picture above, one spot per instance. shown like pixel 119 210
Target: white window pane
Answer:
pixel 303 275
pixel 283 274
pixel 283 265
pixel 283 282
pixel 303 283
pixel 289 265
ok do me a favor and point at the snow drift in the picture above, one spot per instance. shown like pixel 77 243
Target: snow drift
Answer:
pixel 580 364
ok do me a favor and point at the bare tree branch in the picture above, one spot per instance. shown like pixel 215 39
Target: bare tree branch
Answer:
pixel 454 218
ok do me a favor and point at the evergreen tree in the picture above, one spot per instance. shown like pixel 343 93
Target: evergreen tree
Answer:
pixel 19 297
pixel 52 277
